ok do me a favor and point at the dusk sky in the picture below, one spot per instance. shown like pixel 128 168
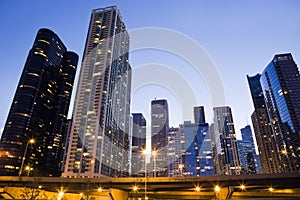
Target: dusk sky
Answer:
pixel 240 37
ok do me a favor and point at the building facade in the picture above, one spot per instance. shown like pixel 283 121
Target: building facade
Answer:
pixel 266 143
pixel 246 157
pixel 34 132
pixel 159 137
pixel 280 83
pixel 99 140
pixel 224 139
pixel 138 145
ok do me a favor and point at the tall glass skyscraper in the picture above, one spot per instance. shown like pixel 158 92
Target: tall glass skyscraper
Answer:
pixel 159 136
pixel 138 145
pixel 99 141
pixel 266 144
pixel 35 129
pixel 224 140
pixel 280 83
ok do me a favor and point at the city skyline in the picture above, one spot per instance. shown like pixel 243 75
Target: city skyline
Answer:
pixel 234 32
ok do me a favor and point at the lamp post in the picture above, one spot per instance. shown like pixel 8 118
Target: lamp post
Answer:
pixel 181 168
pixel 145 154
pixel 154 153
pixel 31 141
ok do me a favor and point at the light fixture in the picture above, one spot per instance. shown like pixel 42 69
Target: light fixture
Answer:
pixel 197 189
pixel 217 188
pixel 242 187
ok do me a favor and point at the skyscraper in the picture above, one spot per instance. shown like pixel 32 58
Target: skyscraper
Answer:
pixel 159 136
pixel 99 142
pixel 280 83
pixel 138 145
pixel 265 139
pixel 224 140
pixel 36 124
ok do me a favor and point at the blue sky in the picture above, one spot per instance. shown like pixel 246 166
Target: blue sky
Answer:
pixel 241 37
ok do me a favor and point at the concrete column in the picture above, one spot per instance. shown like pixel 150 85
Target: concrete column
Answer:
pixel 117 194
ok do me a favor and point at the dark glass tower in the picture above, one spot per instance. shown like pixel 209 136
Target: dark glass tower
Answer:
pixel 159 136
pixel 138 144
pixel 280 83
pixel 266 143
pixel 39 110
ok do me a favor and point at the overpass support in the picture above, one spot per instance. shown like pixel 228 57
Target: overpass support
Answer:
pixel 117 194
pixel 224 193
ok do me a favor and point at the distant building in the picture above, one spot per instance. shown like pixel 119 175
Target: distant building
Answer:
pixel 266 144
pixel 199 115
pixel 246 157
pixel 138 144
pixel 99 139
pixel 197 157
pixel 280 83
pixel 39 110
pixel 224 139
pixel 174 152
pixel 247 139
pixel 159 137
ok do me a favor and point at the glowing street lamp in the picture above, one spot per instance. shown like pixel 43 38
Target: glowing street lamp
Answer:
pixel 28 169
pixel 242 187
pixel 145 154
pixel 31 141
pixel 154 154
pixel 197 189
pixel 217 188
pixel 181 166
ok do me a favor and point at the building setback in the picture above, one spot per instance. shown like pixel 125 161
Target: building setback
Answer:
pixel 99 140
pixel 35 129
pixel 159 137
pixel 266 143
pixel 280 83
pixel 224 139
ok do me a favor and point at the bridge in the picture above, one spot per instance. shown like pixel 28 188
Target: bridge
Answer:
pixel 260 186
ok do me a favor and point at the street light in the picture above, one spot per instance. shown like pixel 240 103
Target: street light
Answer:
pixel 31 141
pixel 28 169
pixel 145 154
pixel 181 168
pixel 154 153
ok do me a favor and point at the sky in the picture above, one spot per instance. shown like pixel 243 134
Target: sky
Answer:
pixel 239 37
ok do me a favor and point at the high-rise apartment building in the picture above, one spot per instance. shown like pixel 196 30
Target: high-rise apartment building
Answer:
pixel 138 144
pixel 99 141
pixel 266 143
pixel 34 132
pixel 224 139
pixel 159 136
pixel 280 83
